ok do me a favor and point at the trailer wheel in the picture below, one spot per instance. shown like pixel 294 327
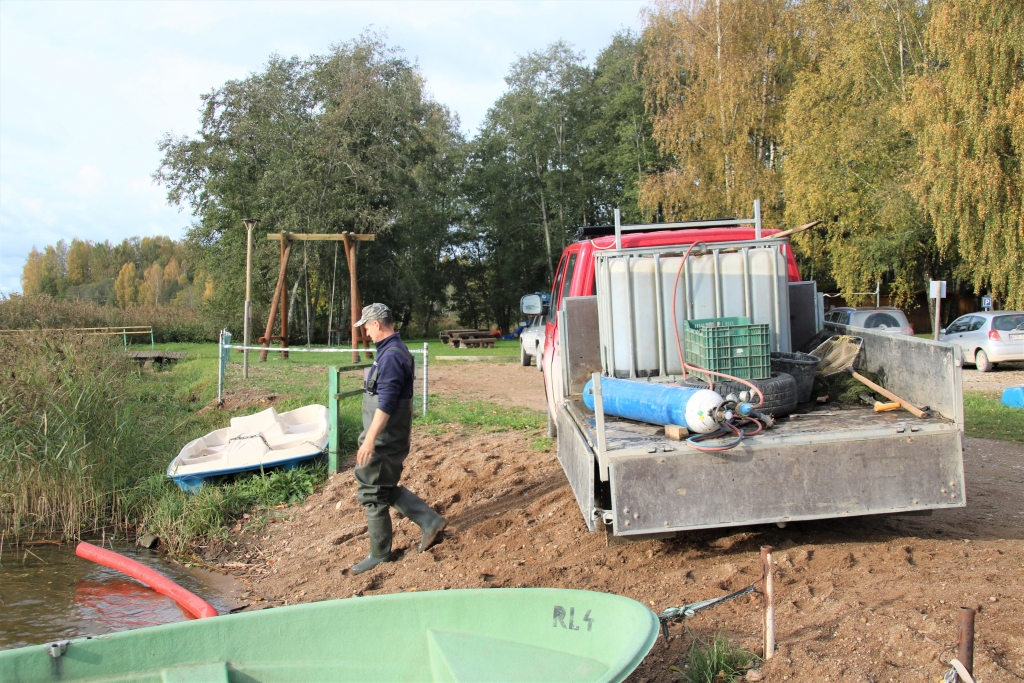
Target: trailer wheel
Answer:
pixel 780 392
pixel 552 427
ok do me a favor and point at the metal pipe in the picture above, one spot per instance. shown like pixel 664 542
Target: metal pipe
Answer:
pixel 629 315
pixel 965 639
pixel 220 369
pixel 747 305
pixel 618 230
pixel 717 271
pixel 768 602
pixel 776 328
pixel 426 361
pixel 660 321
pixel 757 219
pixel 602 443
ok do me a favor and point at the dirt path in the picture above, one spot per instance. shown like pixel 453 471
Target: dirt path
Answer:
pixel 864 599
pixel 501 382
pixel 1002 376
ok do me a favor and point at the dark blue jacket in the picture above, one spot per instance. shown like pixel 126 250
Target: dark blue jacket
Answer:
pixel 395 374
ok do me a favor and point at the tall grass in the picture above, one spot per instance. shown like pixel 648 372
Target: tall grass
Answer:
pixel 67 419
pixel 85 439
pixel 170 323
pixel 714 661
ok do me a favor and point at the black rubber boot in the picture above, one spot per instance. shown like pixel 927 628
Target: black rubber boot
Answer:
pixel 379 529
pixel 413 507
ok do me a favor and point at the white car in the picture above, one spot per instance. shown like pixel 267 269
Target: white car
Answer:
pixel 881 319
pixel 988 337
pixel 531 341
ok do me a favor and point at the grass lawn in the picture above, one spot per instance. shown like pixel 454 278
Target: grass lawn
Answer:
pixel 985 417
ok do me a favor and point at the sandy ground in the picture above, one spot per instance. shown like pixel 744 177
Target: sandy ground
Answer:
pixel 501 382
pixel 865 599
pixel 1002 376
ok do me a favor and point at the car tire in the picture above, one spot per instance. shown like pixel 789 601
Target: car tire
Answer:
pixel 540 359
pixel 552 428
pixel 780 392
pixel 524 357
pixel 982 362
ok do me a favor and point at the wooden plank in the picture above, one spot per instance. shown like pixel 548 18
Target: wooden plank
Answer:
pixel 321 237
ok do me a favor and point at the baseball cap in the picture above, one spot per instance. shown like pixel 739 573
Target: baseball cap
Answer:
pixel 373 312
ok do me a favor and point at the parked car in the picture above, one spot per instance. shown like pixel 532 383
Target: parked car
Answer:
pixel 988 338
pixel 881 319
pixel 531 336
pixel 531 341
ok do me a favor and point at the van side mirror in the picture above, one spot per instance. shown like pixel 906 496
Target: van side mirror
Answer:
pixel 531 305
pixel 942 331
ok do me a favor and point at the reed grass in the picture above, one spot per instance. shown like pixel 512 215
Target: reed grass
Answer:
pixel 170 323
pixel 67 419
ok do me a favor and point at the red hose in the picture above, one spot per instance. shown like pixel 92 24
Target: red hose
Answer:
pixel 152 578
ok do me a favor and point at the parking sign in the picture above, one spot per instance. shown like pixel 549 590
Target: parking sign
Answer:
pixel 986 303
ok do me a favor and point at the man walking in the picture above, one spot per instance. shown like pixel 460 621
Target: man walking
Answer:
pixel 384 443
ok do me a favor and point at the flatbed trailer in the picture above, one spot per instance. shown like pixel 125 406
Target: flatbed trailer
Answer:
pixel 825 461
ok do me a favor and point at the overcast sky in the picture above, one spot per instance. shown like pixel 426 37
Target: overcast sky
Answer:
pixel 87 89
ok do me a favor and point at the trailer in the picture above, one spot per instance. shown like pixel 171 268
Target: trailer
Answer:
pixel 610 316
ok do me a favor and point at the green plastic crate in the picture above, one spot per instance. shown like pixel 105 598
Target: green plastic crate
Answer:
pixel 729 345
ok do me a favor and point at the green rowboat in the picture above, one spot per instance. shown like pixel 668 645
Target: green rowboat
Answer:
pixel 510 634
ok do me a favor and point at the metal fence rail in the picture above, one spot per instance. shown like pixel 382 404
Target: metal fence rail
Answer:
pixel 122 331
pixel 335 395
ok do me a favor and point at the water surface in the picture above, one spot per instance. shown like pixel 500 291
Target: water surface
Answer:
pixel 49 593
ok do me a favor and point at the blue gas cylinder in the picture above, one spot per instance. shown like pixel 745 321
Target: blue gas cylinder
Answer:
pixel 656 403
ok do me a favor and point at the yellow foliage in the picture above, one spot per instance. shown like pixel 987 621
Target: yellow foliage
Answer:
pixel 32 274
pixel 126 286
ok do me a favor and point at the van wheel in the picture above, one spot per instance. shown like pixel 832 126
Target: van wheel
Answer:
pixel 552 428
pixel 524 357
pixel 982 362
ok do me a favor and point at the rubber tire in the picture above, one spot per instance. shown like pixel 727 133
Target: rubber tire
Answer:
pixel 982 362
pixel 524 357
pixel 552 428
pixel 780 392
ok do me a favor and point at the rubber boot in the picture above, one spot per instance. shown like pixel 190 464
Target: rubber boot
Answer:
pixel 379 529
pixel 413 507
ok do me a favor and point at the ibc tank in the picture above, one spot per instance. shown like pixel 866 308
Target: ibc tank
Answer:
pixel 634 290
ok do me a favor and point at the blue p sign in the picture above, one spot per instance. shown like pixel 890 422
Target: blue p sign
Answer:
pixel 986 303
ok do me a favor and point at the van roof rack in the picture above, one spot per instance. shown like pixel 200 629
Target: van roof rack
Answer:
pixel 592 231
pixel 589 232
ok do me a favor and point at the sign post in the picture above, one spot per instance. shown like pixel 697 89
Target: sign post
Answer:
pixel 986 303
pixel 937 291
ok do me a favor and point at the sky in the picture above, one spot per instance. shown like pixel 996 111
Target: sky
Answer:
pixel 87 89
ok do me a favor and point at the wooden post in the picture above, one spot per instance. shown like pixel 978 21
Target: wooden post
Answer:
pixel 284 298
pixel 332 402
pixel 965 639
pixel 278 297
pixel 768 603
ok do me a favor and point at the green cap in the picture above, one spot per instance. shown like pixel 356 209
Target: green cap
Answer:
pixel 373 312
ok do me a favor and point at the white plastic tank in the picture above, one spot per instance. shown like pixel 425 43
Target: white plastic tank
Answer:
pixel 635 287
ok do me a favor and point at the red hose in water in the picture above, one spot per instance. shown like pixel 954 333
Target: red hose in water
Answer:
pixel 152 578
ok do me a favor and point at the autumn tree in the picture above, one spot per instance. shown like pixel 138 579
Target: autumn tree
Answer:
pixel 968 112
pixel 126 286
pixel 79 254
pixel 849 157
pixel 716 74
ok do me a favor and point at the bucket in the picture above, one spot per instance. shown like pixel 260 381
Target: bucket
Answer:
pixel 801 366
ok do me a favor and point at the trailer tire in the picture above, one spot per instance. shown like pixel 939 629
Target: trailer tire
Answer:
pixel 552 428
pixel 780 391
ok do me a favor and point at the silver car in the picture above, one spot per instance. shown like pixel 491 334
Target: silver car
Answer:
pixel 988 338
pixel 881 319
pixel 531 340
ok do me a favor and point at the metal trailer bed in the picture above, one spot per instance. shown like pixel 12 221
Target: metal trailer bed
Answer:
pixel 813 466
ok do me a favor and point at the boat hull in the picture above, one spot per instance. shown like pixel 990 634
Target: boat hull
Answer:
pixel 513 634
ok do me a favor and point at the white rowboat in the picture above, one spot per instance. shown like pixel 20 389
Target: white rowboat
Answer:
pixel 253 442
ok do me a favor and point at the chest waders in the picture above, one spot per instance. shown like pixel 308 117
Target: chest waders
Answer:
pixel 378 479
